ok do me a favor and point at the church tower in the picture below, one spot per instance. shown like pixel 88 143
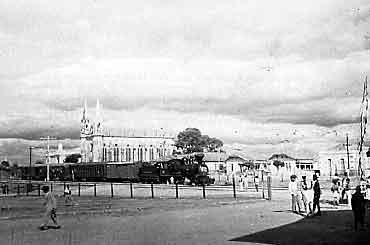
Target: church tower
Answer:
pixel 97 137
pixel 86 131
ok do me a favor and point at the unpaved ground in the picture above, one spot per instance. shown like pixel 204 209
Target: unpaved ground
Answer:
pixel 184 221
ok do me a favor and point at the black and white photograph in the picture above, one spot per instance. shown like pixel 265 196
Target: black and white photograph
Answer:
pixel 178 122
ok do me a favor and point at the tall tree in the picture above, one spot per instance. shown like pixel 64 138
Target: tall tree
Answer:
pixel 191 140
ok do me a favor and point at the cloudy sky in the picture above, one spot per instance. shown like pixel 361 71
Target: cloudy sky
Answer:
pixel 261 75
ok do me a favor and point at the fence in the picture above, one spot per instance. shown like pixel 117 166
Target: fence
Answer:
pixel 138 190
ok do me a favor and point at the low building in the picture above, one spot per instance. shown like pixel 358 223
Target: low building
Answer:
pixel 336 162
pixel 261 164
pixel 236 163
pixel 284 165
pixel 215 161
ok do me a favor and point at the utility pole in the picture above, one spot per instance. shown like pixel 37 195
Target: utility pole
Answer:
pixel 347 155
pixel 30 172
pixel 48 138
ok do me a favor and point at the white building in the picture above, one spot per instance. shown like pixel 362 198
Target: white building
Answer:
pixel 291 165
pixel 98 145
pixel 215 161
pixel 336 162
pixel 235 162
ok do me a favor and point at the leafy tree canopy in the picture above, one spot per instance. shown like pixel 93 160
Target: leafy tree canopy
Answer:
pixel 191 140
pixel 5 164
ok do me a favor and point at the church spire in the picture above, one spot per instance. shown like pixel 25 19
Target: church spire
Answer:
pixel 97 111
pixel 84 110
pixel 98 118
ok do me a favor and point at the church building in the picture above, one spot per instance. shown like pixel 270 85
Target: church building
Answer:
pixel 98 145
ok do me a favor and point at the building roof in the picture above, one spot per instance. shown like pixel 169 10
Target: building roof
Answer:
pixel 215 156
pixel 240 155
pixel 281 156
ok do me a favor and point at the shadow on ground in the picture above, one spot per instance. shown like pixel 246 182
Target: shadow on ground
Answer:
pixel 333 227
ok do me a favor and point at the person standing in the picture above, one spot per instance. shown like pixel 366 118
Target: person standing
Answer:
pixel 68 195
pixel 348 191
pixel 358 207
pixel 293 190
pixel 50 204
pixel 256 182
pixel 240 179
pixel 316 195
pixel 306 195
pixel 245 181
pixel 335 191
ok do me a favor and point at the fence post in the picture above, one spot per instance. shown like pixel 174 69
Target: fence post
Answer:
pixel 79 189
pixel 204 191
pixel 177 190
pixel 131 192
pixel 269 187
pixel 94 189
pixel 18 190
pixel 27 189
pixel 39 189
pixel 111 189
pixel 51 186
pixel 64 187
pixel 234 191
pixel 152 189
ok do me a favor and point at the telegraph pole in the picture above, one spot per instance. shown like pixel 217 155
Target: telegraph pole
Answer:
pixel 347 155
pixel 30 172
pixel 48 138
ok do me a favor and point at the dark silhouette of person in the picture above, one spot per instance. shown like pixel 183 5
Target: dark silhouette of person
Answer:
pixel 358 207
pixel 316 195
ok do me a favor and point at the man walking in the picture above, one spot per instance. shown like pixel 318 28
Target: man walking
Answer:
pixel 316 195
pixel 50 204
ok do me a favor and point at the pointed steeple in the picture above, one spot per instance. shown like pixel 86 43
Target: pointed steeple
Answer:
pixel 97 111
pixel 84 111
pixel 98 118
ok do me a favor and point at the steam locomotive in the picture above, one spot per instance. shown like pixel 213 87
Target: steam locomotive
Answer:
pixel 177 168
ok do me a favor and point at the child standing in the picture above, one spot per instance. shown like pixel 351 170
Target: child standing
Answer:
pixel 50 204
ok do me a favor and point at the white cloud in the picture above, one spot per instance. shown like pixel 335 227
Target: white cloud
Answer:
pixel 259 68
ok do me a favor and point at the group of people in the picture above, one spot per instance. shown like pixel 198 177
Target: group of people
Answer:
pixel 357 198
pixel 342 190
pixel 307 193
pixel 243 182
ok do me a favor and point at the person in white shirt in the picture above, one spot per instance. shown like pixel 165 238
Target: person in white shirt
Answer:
pixel 293 190
pixel 68 195
pixel 50 204
pixel 307 195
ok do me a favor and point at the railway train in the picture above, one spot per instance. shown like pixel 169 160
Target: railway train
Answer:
pixel 179 168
